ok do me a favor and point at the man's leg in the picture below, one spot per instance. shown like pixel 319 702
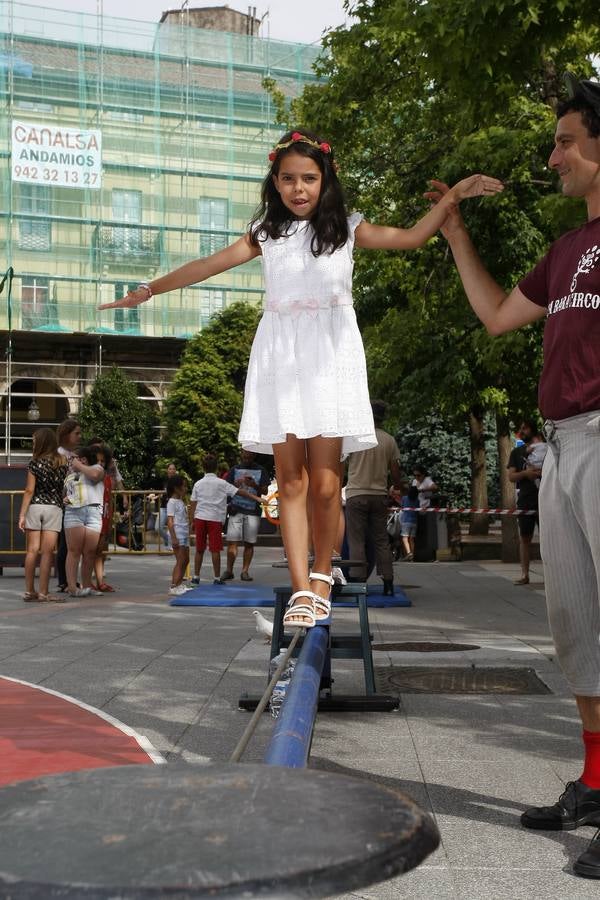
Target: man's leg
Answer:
pixel 357 514
pixel 234 536
pixel 378 510
pixel 232 549
pixel 248 554
pixel 570 544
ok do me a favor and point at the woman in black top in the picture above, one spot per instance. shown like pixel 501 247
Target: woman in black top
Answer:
pixel 42 511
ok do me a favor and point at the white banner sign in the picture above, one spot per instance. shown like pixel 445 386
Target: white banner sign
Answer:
pixel 56 156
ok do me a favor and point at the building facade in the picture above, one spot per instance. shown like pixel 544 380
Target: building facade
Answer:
pixel 127 149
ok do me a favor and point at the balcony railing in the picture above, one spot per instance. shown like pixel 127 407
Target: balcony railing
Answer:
pixel 129 244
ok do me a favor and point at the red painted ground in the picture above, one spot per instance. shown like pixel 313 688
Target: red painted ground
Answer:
pixel 41 734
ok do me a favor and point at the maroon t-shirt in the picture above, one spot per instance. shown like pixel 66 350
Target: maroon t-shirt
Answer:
pixel 567 282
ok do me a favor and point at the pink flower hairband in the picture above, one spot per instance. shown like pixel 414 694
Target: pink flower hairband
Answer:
pixel 297 137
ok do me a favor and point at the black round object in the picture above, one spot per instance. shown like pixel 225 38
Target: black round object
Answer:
pixel 204 831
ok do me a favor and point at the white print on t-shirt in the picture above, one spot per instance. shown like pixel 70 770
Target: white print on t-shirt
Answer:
pixel 585 265
pixel 579 299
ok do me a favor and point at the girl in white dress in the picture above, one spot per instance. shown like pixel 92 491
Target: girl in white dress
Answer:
pixel 306 398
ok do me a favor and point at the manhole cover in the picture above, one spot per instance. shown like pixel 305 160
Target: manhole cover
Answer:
pixel 458 680
pixel 426 647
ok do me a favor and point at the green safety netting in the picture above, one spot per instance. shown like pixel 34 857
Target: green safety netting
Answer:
pixel 138 146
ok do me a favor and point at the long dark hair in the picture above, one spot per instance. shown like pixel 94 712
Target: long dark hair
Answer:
pixel 45 445
pixel 329 222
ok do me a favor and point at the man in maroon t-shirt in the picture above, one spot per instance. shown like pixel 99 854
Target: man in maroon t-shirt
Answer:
pixel 564 287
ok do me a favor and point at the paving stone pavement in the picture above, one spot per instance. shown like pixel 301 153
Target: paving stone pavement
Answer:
pixel 475 762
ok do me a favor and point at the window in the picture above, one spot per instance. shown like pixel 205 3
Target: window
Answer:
pixel 34 234
pixel 35 308
pixel 213 213
pixel 34 105
pixel 211 301
pixel 127 321
pixel 127 207
pixel 124 115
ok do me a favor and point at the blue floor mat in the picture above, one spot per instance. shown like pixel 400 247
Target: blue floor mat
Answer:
pixel 252 595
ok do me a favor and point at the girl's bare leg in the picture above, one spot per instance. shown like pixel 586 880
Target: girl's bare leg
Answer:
pixel 99 569
pixel 75 539
pixel 292 483
pixel 182 555
pixel 47 548
pixel 326 503
pixel 88 558
pixel 33 548
pixel 341 529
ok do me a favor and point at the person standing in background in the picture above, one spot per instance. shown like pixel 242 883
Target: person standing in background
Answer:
pixel 68 436
pixel 367 493
pixel 162 512
pixel 524 477
pixel 244 513
pixel 425 485
pixel 41 513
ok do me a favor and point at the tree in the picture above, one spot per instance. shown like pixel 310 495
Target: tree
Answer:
pixel 113 412
pixel 421 88
pixel 203 408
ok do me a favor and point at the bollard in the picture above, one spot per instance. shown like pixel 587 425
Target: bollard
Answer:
pixel 290 744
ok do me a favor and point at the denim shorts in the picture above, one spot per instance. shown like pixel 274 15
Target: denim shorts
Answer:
pixel 242 527
pixel 89 517
pixel 183 535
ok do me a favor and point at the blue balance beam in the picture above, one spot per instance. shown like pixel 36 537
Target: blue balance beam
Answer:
pixel 290 743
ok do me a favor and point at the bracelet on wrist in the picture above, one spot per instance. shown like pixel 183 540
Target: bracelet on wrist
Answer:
pixel 146 287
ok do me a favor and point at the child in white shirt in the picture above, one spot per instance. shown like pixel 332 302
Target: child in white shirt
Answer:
pixel 209 509
pixel 179 531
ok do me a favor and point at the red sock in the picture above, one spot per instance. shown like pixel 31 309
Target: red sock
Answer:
pixel 591 768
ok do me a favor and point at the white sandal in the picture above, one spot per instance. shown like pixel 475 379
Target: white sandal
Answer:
pixel 322 604
pixel 306 610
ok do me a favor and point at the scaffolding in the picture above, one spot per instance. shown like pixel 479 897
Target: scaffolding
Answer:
pixel 129 148
pixel 137 146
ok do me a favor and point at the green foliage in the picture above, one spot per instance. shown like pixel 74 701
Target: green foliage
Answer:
pixel 417 89
pixel 113 412
pixel 203 409
pixel 444 450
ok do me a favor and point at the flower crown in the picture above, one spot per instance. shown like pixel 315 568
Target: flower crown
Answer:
pixel 296 138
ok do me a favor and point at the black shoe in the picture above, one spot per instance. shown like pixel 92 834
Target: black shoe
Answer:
pixel 226 576
pixel 577 805
pixel 245 577
pixel 588 864
pixel 388 587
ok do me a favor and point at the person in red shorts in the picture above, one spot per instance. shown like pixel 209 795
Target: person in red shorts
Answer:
pixel 209 508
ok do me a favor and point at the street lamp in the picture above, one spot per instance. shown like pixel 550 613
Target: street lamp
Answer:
pixel 33 413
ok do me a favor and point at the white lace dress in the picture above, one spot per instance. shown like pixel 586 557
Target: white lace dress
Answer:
pixel 307 374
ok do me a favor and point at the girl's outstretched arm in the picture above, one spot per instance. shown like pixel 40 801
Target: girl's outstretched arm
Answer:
pixel 382 237
pixel 239 252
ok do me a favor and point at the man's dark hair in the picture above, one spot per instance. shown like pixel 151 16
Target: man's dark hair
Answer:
pixel 589 115
pixel 531 424
pixel 210 463
pixel 379 408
